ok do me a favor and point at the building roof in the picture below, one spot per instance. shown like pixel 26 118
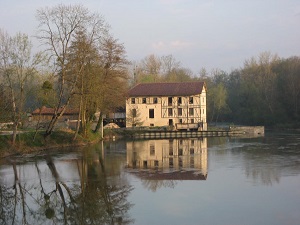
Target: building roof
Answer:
pixel 167 89
pixel 50 111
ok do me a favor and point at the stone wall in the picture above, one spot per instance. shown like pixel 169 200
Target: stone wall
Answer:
pixel 254 130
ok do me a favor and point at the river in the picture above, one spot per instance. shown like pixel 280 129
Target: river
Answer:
pixel 211 181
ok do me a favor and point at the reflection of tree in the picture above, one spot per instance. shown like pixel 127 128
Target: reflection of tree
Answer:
pixel 13 201
pixel 59 184
pixel 266 175
pixel 6 204
pixel 96 199
pixel 261 166
pixel 154 185
pixel 101 200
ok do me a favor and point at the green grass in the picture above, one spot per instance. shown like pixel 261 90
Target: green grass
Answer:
pixel 25 143
pixel 4 141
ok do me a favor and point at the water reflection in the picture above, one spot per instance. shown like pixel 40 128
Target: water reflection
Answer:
pixel 160 163
pixel 128 182
pixel 67 190
pixel 263 160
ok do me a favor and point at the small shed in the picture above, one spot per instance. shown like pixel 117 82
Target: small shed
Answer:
pixel 45 114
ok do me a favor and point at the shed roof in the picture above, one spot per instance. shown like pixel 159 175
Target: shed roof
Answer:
pixel 50 111
pixel 167 89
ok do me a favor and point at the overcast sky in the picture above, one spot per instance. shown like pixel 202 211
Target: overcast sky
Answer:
pixel 199 33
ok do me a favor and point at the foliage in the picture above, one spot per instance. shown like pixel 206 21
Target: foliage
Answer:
pixel 265 91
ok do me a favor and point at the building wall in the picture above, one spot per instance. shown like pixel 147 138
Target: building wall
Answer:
pixel 168 110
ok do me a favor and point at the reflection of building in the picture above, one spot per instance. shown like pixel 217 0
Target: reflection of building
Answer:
pixel 173 159
pixel 179 105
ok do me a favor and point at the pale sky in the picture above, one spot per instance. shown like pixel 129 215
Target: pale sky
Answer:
pixel 214 34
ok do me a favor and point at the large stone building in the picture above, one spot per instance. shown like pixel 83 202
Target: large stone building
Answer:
pixel 178 105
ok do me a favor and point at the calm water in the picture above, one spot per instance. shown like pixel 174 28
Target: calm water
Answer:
pixel 180 181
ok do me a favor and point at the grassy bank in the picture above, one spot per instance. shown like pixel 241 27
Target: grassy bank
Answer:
pixel 25 144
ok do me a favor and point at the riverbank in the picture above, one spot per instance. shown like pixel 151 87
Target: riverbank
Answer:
pixel 26 143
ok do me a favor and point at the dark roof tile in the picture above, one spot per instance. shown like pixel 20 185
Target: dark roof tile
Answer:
pixel 166 89
pixel 50 111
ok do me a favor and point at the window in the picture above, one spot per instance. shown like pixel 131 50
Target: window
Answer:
pixel 192 121
pixel 179 111
pixel 171 162
pixel 133 112
pixel 180 120
pixel 132 100
pixel 191 111
pixel 192 150
pixel 180 151
pixel 203 111
pixel 192 162
pixel 170 147
pixel 203 100
pixel 145 164
pixel 180 163
pixel 152 149
pixel 144 100
pixel 151 113
pixel 170 112
pixel 171 150
pixel 151 124
pixel 191 100
pixel 154 100
pixel 179 100
pixel 169 101
pixel 156 163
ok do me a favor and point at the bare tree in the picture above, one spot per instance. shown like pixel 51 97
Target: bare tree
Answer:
pixel 152 64
pixel 57 29
pixel 169 64
pixel 17 65
pixel 133 117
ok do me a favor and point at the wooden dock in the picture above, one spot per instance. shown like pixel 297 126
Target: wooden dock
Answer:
pixel 163 134
pixel 180 134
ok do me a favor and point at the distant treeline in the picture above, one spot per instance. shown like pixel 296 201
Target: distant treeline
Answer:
pixel 265 91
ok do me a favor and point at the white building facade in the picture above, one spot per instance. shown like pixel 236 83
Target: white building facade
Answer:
pixel 177 105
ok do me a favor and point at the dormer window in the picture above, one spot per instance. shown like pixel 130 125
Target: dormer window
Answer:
pixel 132 100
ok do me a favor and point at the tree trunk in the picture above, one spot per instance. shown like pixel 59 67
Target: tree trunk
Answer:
pixel 15 116
pixel 37 125
pixel 99 126
pixel 78 119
